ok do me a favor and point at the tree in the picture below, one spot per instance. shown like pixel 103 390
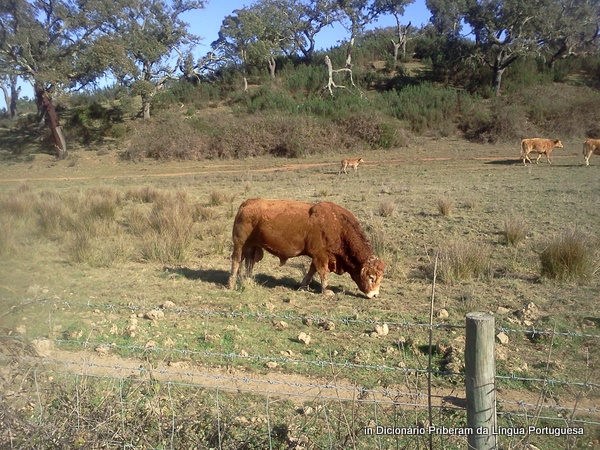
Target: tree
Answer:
pixel 505 30
pixel 8 84
pixel 572 26
pixel 446 15
pixel 357 14
pixel 52 44
pixel 396 8
pixel 306 19
pixel 150 37
pixel 274 27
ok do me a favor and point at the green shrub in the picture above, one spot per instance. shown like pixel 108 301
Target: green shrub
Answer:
pixel 426 107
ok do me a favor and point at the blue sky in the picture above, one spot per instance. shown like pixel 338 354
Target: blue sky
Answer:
pixel 207 22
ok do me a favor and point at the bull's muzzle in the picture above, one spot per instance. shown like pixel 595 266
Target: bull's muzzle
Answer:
pixel 372 294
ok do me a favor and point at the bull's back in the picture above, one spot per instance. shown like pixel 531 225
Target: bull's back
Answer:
pixel 278 226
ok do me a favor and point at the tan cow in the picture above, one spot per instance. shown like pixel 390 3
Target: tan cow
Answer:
pixel 539 146
pixel 326 232
pixel 590 147
pixel 350 162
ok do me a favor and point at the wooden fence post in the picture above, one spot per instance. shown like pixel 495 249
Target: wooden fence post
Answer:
pixel 480 373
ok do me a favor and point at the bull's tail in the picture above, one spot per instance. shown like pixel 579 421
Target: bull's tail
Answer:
pixel 523 151
pixel 585 147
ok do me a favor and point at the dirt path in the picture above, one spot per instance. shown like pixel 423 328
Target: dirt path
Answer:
pixel 101 363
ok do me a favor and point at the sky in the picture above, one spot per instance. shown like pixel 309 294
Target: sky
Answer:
pixel 206 23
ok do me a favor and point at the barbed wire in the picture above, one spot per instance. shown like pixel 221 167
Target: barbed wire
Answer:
pixel 295 317
pixel 559 419
pixel 358 394
pixel 548 381
pixel 260 358
pixel 288 360
pixel 386 396
pixel 591 410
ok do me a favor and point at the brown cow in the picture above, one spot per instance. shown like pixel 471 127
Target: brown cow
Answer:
pixel 326 232
pixel 590 147
pixel 539 146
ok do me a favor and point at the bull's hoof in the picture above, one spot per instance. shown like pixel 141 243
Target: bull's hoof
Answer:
pixel 303 287
pixel 328 292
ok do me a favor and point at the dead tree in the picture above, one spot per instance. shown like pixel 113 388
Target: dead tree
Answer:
pixel 331 84
pixel 402 34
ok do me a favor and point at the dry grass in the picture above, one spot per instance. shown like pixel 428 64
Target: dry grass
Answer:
pixel 219 198
pixel 143 217
pixel 169 237
pixel 144 194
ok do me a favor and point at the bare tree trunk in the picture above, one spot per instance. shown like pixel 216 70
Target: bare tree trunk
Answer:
pixel 349 53
pixel 272 66
pixel 57 133
pixel 146 106
pixel 497 82
pixel 6 94
pixel 396 48
pixel 11 94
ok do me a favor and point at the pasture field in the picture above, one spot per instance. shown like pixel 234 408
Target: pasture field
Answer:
pixel 90 245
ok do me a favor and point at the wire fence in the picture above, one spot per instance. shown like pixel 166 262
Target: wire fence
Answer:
pixel 151 364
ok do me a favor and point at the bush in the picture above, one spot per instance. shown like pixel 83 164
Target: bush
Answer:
pixel 166 137
pixel 426 107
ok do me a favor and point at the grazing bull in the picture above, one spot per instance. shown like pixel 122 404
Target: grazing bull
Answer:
pixel 539 146
pixel 590 147
pixel 326 232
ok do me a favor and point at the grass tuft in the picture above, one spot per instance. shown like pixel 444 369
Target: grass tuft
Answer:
pixel 515 230
pixel 387 209
pixel 464 260
pixel 445 206
pixel 571 255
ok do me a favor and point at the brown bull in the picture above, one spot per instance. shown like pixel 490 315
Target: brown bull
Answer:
pixel 539 146
pixel 326 232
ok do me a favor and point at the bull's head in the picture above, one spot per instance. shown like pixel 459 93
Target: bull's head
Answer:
pixel 370 276
pixel 557 143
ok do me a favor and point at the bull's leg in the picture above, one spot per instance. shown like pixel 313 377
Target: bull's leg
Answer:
pixel 587 159
pixel 252 255
pixel 323 274
pixel 537 161
pixel 321 265
pixel 236 259
pixel 548 158
pixel 308 277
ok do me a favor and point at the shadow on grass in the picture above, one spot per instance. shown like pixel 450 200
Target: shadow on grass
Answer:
pixel 18 145
pixel 505 162
pixel 213 276
pixel 221 277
